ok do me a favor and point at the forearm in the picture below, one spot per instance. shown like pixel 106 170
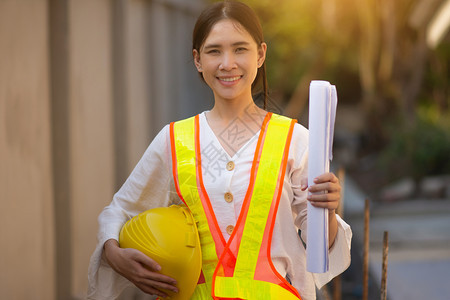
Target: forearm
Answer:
pixel 109 248
pixel 332 227
pixel 110 243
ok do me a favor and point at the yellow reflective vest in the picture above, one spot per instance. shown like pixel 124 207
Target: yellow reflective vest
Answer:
pixel 240 268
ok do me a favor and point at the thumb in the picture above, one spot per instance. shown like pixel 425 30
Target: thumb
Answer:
pixel 304 183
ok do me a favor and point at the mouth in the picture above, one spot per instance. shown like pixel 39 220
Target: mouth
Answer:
pixel 230 79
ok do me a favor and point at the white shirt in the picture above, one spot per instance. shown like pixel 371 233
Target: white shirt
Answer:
pixel 151 185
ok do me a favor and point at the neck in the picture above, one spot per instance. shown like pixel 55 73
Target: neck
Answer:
pixel 228 110
pixel 221 116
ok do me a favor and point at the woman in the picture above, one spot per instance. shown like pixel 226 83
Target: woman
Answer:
pixel 236 166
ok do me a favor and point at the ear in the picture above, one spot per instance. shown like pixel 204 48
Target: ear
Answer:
pixel 262 54
pixel 197 61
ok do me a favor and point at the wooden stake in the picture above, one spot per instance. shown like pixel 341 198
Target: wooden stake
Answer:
pixel 366 251
pixel 384 266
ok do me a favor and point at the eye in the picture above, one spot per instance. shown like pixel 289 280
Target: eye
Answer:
pixel 241 49
pixel 213 51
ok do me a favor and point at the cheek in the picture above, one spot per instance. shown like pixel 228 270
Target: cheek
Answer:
pixel 251 65
pixel 209 72
pixel 209 65
pixel 249 61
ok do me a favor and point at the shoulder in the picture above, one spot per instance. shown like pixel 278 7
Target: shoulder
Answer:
pixel 299 144
pixel 299 140
pixel 188 118
pixel 159 144
pixel 298 128
pixel 300 133
pixel 165 131
pixel 162 136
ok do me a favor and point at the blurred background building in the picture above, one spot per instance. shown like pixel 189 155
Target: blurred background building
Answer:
pixel 84 87
pixel 86 84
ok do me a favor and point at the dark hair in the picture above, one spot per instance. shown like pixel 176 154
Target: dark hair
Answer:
pixel 246 17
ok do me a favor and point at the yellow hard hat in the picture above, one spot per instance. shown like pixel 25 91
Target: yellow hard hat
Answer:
pixel 169 236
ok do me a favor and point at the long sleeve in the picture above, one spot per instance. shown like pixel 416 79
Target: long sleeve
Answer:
pixel 148 186
pixel 339 253
pixel 151 185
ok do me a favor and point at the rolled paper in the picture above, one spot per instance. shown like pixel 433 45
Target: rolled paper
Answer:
pixel 322 113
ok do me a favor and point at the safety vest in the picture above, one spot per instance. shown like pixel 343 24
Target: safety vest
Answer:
pixel 242 267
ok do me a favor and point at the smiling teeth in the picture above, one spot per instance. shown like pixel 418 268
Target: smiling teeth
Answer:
pixel 230 78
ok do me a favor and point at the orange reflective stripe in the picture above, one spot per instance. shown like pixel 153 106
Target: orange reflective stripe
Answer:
pixel 259 214
pixel 217 234
pixel 184 170
pixel 174 162
pixel 263 196
pixel 233 242
pixel 268 232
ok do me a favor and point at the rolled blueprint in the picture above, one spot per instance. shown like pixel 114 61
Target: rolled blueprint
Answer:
pixel 322 113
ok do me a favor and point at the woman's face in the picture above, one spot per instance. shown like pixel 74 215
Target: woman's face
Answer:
pixel 229 60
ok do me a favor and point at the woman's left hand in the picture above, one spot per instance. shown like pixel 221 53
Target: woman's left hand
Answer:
pixel 329 184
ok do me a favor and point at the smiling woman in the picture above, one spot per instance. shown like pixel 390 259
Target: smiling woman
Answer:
pixel 245 19
pixel 228 62
pixel 241 171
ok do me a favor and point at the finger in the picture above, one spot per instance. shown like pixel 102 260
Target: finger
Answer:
pixel 331 205
pixel 152 291
pixel 326 177
pixel 325 187
pixel 147 274
pixel 157 284
pixel 147 261
pixel 304 183
pixel 158 277
pixel 145 268
pixel 325 200
pixel 325 197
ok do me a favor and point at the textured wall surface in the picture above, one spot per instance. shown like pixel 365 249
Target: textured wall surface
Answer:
pixel 84 87
pixel 26 216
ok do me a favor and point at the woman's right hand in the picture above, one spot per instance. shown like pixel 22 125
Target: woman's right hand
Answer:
pixel 138 268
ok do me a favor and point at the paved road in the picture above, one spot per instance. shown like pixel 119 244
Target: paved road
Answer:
pixel 419 244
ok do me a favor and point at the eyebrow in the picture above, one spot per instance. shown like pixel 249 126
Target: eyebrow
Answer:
pixel 241 43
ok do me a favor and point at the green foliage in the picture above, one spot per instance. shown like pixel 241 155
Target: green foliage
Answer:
pixel 348 42
pixel 300 41
pixel 421 149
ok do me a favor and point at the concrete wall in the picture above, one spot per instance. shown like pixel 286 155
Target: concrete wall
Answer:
pixel 26 215
pixel 84 87
pixel 90 126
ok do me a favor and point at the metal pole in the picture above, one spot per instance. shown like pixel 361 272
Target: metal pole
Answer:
pixel 384 266
pixel 366 251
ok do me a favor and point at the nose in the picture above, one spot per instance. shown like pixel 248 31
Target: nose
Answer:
pixel 228 62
